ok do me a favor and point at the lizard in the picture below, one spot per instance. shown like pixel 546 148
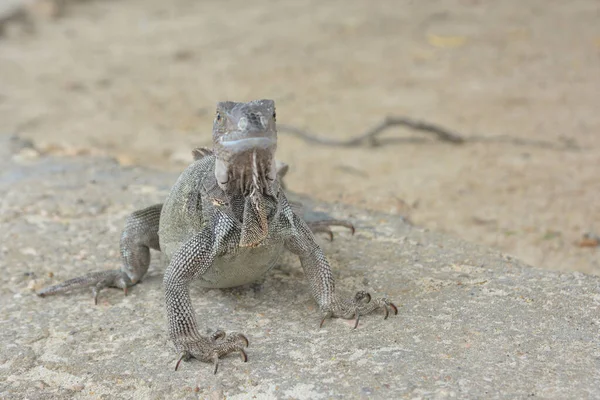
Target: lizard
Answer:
pixel 225 223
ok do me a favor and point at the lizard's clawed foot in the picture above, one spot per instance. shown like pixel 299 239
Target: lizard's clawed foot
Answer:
pixel 212 348
pixel 361 304
pixel 324 226
pixel 98 280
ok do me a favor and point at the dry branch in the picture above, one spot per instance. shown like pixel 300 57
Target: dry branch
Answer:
pixel 371 137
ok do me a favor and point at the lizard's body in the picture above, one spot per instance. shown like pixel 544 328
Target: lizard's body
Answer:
pixel 225 223
pixel 234 265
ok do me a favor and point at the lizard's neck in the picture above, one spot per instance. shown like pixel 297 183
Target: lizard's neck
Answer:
pixel 248 174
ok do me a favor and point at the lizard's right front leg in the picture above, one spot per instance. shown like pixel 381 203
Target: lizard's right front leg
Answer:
pixel 139 236
pixel 192 260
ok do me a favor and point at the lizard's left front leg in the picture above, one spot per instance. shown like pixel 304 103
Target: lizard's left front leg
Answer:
pixel 318 272
pixel 193 259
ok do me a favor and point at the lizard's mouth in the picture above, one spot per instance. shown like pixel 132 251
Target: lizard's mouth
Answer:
pixel 245 144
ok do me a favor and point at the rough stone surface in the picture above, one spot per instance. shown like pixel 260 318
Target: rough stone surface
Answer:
pixel 473 323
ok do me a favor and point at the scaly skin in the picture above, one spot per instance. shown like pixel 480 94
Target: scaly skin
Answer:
pixel 225 223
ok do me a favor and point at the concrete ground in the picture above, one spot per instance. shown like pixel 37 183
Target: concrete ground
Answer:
pixel 472 323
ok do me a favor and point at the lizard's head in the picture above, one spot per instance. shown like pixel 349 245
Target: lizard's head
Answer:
pixel 244 142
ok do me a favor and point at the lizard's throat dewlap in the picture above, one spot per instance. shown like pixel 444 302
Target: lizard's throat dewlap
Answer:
pixel 254 223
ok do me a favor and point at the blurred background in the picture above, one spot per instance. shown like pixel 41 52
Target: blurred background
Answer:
pixel 138 80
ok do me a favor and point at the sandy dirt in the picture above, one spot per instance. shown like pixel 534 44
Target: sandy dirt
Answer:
pixel 138 80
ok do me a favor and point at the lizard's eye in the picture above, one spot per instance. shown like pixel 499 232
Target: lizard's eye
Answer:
pixel 274 116
pixel 218 117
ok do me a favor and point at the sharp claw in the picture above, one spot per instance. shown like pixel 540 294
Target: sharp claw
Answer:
pixel 218 335
pixel 357 319
pixel 352 229
pixel 125 290
pixel 216 362
pixel 368 297
pixel 328 315
pixel 394 308
pixel 178 362
pixel 330 233
pixel 387 312
pixel 245 339
pixel 95 291
pixel 244 355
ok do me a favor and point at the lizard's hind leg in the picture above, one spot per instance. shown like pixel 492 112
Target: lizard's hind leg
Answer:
pixel 320 222
pixel 324 226
pixel 139 236
pixel 317 221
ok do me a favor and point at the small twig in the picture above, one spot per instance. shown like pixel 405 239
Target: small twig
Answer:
pixel 371 135
pixel 567 144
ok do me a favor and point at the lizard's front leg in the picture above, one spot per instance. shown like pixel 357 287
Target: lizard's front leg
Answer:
pixel 139 236
pixel 193 259
pixel 318 273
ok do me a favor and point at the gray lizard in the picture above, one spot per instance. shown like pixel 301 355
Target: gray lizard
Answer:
pixel 225 223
